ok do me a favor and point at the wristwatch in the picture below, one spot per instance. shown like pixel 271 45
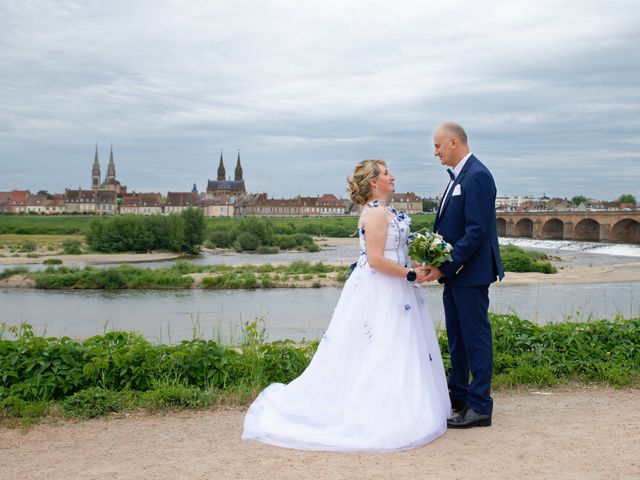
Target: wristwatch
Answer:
pixel 411 275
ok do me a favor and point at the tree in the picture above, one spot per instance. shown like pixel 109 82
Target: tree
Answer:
pixel 428 205
pixel 578 199
pixel 193 229
pixel 627 198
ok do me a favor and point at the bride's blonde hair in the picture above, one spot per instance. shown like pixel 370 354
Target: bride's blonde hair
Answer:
pixel 358 185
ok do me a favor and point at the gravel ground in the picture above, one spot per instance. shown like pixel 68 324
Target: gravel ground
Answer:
pixel 568 432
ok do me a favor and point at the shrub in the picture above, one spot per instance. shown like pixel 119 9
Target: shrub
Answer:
pixel 223 238
pixel 71 247
pixel 182 232
pixel 27 246
pixel 515 259
pixel 247 241
pixel 52 261
pixel 93 402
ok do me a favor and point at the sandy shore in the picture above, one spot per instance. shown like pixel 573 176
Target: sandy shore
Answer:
pixel 93 258
pixel 624 273
pixel 563 433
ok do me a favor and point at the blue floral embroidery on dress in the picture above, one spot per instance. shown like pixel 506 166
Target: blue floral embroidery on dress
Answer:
pixel 367 330
pixel 430 359
pixel 407 306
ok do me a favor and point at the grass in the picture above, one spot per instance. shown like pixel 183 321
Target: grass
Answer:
pixel 44 225
pixel 64 225
pixel 121 371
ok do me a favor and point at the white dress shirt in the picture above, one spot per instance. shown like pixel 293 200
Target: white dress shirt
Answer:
pixel 456 171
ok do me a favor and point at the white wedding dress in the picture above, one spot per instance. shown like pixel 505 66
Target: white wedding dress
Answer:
pixel 376 382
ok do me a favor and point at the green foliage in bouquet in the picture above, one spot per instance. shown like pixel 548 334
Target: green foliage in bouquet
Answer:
pixel 429 248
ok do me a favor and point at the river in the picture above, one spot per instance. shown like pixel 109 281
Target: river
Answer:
pixel 175 315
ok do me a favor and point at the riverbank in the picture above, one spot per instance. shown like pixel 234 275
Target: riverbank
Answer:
pixel 564 432
pixel 94 258
pixel 622 273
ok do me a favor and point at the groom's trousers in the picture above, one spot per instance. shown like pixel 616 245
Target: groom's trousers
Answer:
pixel 469 336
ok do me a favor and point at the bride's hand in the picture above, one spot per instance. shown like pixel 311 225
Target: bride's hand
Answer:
pixel 433 273
pixel 421 273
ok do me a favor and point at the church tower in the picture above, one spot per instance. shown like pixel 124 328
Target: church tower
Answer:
pixel 95 172
pixel 111 169
pixel 221 172
pixel 238 177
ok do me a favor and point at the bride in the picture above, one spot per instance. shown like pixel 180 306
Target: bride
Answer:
pixel 376 382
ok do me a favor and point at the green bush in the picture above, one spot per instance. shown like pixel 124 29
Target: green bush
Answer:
pixel 27 246
pixel 52 261
pixel 182 232
pixel 71 247
pixel 515 259
pixel 94 402
pixel 223 238
pixel 115 371
pixel 247 241
pixel 121 277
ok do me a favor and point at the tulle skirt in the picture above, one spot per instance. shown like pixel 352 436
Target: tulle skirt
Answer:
pixel 375 384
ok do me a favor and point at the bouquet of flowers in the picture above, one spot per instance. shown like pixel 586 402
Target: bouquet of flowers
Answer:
pixel 429 248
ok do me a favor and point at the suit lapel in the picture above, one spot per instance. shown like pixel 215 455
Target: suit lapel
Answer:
pixel 456 182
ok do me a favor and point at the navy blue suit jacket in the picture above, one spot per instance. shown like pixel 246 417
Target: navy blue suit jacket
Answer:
pixel 468 222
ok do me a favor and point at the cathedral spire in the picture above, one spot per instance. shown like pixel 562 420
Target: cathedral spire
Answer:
pixel 95 171
pixel 221 172
pixel 111 169
pixel 238 177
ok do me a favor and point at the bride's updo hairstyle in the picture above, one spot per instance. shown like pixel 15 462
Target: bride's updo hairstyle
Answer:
pixel 358 185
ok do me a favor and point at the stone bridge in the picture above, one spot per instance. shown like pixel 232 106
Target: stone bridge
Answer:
pixel 618 226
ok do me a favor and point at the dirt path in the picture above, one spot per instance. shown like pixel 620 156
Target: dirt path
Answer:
pixel 568 433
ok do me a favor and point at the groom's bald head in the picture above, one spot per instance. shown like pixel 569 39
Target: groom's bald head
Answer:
pixel 454 130
pixel 450 142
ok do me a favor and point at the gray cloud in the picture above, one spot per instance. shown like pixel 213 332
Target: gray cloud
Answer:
pixel 548 92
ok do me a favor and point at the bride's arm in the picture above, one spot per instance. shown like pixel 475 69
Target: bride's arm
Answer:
pixel 375 226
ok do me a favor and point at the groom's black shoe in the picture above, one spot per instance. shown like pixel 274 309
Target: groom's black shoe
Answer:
pixel 469 418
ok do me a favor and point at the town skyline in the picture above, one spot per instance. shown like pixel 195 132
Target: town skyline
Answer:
pixel 547 92
pixel 201 184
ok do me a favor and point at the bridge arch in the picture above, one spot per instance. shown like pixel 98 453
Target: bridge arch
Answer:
pixel 501 225
pixel 553 229
pixel 588 230
pixel 523 228
pixel 626 230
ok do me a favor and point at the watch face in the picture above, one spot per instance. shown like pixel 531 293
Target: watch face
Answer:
pixel 411 276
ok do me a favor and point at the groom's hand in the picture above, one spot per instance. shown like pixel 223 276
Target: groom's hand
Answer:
pixel 421 274
pixel 434 273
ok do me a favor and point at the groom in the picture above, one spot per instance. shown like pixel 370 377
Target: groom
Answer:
pixel 466 219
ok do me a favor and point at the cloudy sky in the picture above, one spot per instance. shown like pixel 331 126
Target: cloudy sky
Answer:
pixel 548 92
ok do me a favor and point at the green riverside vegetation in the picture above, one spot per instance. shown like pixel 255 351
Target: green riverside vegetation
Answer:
pixel 342 226
pixel 177 276
pixel 516 259
pixel 120 371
